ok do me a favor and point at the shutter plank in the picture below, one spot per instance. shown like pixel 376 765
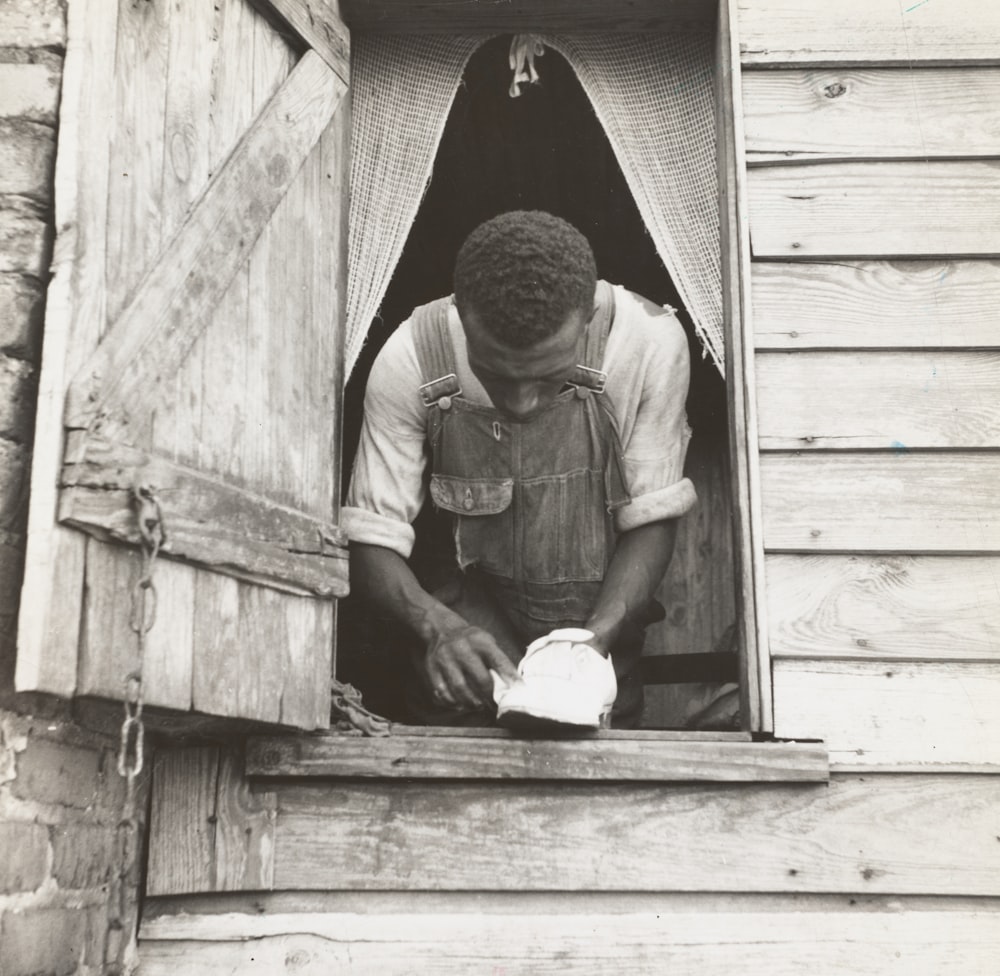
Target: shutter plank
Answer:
pixel 809 400
pixel 904 32
pixel 222 350
pixel 897 209
pixel 889 607
pixel 876 304
pixel 49 635
pixel 190 277
pixel 800 116
pixel 881 502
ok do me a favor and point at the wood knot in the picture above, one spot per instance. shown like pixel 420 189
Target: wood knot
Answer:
pixel 835 90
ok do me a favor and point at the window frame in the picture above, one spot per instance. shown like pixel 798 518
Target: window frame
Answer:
pixel 616 755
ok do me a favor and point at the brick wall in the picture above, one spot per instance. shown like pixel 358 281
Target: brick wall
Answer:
pixel 60 795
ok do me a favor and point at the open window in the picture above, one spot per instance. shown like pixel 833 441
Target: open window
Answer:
pixel 547 149
pixel 195 346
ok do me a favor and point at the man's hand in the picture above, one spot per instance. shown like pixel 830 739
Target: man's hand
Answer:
pixel 458 663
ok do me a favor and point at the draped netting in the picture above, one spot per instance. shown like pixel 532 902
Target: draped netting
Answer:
pixel 652 93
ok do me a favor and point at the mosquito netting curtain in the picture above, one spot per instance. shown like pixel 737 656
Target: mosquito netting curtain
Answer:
pixel 653 95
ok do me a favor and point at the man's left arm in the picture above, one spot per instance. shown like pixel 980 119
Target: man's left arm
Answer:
pixel 650 385
pixel 637 568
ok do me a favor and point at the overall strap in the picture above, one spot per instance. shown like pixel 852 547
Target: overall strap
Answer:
pixel 589 374
pixel 435 353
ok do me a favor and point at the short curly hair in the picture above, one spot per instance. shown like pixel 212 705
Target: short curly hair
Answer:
pixel 523 273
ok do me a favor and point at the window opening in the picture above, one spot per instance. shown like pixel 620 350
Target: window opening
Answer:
pixel 547 150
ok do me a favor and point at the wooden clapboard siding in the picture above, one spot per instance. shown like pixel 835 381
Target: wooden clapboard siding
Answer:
pixel 800 116
pixel 626 838
pixel 524 836
pixel 866 32
pixel 892 714
pixel 886 399
pixel 858 304
pixel 750 935
pixel 906 208
pixel 884 607
pixel 881 502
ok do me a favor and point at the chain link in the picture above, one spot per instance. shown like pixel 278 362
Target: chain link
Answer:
pixel 120 949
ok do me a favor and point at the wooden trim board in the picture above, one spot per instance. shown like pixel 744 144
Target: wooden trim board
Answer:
pixel 632 760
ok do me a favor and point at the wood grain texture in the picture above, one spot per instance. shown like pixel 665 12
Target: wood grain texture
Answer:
pixel 892 713
pixel 206 520
pixel 808 400
pixel 244 830
pixel 319 24
pixel 459 16
pixel 882 502
pixel 182 818
pixel 570 837
pixel 754 940
pixel 930 608
pixel 151 337
pixel 48 632
pixel 416 757
pixel 876 304
pixel 800 116
pixel 801 32
pixel 212 826
pixel 880 209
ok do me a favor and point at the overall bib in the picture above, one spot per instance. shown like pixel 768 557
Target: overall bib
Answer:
pixel 531 500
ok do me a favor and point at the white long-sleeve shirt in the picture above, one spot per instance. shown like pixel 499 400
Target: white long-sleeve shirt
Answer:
pixel 648 369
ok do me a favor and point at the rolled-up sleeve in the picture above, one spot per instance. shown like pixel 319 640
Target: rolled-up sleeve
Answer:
pixel 387 484
pixel 656 365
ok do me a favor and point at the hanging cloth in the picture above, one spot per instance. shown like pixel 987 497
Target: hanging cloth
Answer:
pixel 652 93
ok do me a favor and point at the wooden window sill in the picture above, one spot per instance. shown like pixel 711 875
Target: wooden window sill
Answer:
pixel 488 754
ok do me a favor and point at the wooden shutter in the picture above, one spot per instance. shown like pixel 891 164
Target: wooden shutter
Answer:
pixel 193 342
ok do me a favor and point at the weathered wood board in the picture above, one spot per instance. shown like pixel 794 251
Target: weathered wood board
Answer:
pixel 891 400
pixel 629 838
pixel 899 501
pixel 864 32
pixel 906 208
pixel 530 836
pixel 894 714
pixel 747 936
pixel 246 390
pixel 589 759
pixel 811 116
pixel 889 608
pixel 857 304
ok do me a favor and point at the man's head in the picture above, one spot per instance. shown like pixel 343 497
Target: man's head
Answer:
pixel 522 274
pixel 524 288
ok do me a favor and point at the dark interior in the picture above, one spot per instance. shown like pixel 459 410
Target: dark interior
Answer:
pixel 544 150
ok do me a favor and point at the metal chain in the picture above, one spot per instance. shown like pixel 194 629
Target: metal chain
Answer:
pixel 120 947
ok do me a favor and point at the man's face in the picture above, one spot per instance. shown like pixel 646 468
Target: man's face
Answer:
pixel 522 381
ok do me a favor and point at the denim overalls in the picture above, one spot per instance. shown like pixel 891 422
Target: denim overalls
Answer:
pixel 531 500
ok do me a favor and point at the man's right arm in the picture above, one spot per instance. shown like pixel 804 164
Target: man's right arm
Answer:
pixel 459 656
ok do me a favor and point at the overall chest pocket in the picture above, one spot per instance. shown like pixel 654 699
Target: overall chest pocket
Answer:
pixel 563 527
pixel 483 519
